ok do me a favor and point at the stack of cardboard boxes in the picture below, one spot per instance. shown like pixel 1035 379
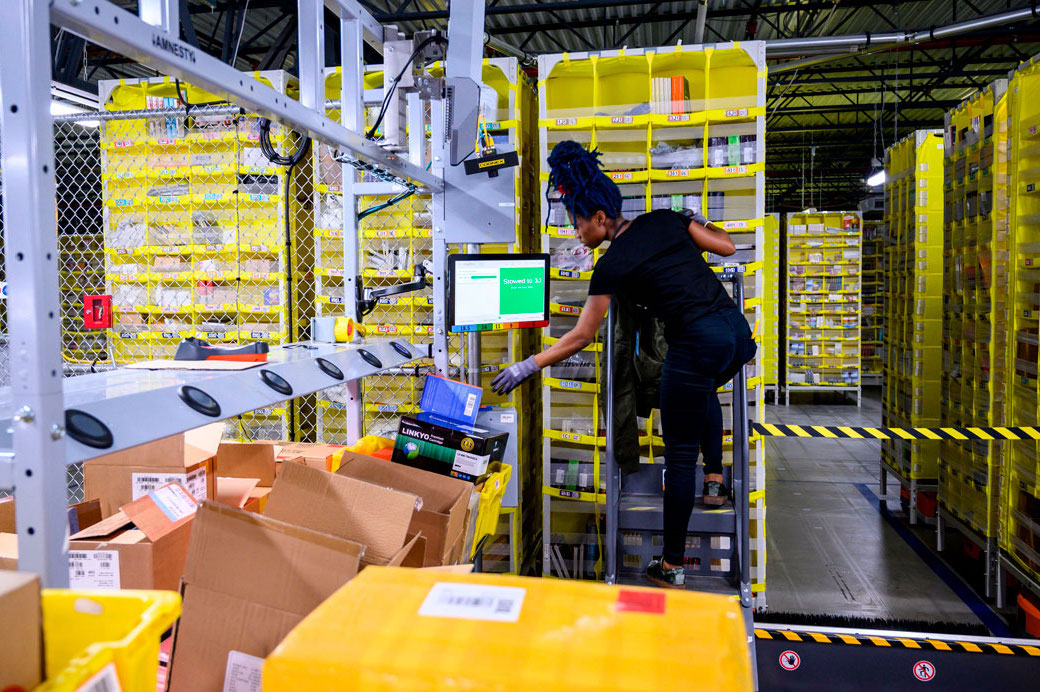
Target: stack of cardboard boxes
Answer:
pixel 256 535
pixel 253 535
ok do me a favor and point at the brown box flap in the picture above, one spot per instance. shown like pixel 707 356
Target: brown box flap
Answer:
pixel 374 516
pixel 439 493
pixel 267 561
pixel 442 516
pixel 7 524
pixel 234 492
pixel 161 511
pixel 8 551
pixel 247 460
pixel 214 624
pixel 88 513
pixel 105 527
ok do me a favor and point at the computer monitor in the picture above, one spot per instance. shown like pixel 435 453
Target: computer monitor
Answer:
pixel 505 291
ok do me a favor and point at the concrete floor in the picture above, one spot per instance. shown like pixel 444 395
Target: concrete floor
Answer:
pixel 830 550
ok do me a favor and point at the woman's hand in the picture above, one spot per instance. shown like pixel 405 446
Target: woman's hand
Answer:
pixel 708 236
pixel 513 376
pixel 583 334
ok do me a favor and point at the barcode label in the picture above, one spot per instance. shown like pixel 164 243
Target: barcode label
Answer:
pixel 471 402
pixel 194 483
pixel 243 672
pixel 105 680
pixel 473 464
pixel 93 569
pixel 174 502
pixel 474 602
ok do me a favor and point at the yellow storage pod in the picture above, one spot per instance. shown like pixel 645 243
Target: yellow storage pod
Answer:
pixel 404 629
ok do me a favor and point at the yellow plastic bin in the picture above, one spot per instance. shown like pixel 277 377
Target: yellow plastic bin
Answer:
pixel 103 634
pixel 489 506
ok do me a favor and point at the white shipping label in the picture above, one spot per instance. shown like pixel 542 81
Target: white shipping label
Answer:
pixel 243 672
pixel 194 482
pixel 474 464
pixel 473 602
pixel 471 403
pixel 174 502
pixel 105 680
pixel 508 417
pixel 93 569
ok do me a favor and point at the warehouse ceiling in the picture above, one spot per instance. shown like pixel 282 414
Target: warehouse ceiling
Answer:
pixel 826 121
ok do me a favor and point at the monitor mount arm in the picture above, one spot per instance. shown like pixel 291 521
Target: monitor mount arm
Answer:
pixel 367 298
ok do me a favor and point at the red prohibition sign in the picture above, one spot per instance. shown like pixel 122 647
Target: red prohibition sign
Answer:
pixel 924 671
pixel 789 660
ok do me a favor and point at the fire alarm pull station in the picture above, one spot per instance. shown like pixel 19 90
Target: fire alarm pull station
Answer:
pixel 97 312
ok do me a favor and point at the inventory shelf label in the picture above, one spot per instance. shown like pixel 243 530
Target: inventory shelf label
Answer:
pixel 679 118
pixel 737 113
pixel 621 119
pixel 566 121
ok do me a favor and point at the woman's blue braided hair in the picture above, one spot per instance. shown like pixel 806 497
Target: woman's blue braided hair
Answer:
pixel 585 189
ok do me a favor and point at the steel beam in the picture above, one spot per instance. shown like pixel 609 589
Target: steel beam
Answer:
pixel 310 53
pixel 107 25
pixel 33 310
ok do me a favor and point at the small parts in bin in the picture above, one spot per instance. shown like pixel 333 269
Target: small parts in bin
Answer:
pixel 197 349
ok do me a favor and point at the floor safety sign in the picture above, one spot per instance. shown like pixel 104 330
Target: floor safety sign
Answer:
pixel 858 433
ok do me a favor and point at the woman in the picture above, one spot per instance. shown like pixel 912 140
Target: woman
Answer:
pixel 655 259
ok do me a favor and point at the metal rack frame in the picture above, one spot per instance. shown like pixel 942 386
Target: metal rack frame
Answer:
pixel 35 460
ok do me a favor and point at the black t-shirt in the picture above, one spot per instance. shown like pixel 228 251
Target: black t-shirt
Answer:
pixel 655 263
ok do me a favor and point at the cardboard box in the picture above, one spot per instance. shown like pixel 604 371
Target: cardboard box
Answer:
pixel 248 581
pixel 376 517
pixel 122 477
pixel 311 454
pixel 21 636
pixel 247 460
pixel 450 449
pixel 142 546
pixel 80 515
pixel 442 517
pixel 430 630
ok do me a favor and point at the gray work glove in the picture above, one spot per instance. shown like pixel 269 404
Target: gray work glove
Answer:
pixel 699 218
pixel 511 378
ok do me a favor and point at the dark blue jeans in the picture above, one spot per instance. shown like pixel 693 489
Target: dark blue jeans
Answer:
pixel 701 358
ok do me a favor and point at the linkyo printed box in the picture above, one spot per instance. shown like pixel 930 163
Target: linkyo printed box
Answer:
pixel 443 446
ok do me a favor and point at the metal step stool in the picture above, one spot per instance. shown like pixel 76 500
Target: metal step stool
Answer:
pixel 718 550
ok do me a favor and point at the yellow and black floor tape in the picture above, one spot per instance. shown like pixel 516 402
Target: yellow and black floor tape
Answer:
pixel 899 642
pixel 859 433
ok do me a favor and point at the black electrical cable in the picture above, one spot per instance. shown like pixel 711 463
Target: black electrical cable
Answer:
pixel 272 155
pixel 436 38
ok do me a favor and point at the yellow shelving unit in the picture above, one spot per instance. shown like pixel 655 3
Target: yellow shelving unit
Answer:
pixel 1019 534
pixel 913 307
pixel 770 343
pixel 199 229
pixel 975 297
pixel 824 303
pixel 872 328
pixel 697 144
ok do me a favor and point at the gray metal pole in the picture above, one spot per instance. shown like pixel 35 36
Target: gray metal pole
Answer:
pixel 473 362
pixel 33 312
pixel 609 462
pixel 702 17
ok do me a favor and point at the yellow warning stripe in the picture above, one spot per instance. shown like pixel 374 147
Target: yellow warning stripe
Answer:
pixel 899 642
pixel 994 434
